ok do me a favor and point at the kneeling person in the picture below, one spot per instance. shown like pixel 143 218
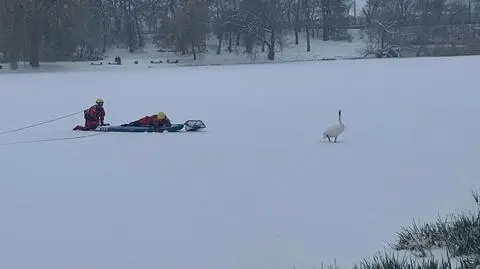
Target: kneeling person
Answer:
pixel 94 117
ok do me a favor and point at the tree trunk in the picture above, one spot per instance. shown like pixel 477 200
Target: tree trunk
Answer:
pixel 14 33
pixel 58 47
pixel 131 40
pixel 308 22
pixel 271 47
pixel 297 21
pixel 263 41
pixel 308 38
pixel 105 35
pixel 220 30
pixel 118 22
pixel 326 32
pixel 34 36
pixel 219 48
pixel 289 14
pixel 128 27
pixel 141 42
pixel 194 51
pixel 326 19
pixel 35 49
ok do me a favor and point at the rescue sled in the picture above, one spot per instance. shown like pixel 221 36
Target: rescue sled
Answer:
pixel 193 125
pixel 190 126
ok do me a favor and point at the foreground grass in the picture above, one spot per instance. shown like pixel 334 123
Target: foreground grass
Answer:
pixel 450 243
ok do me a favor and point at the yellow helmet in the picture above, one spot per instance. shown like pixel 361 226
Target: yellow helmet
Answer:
pixel 161 115
pixel 99 101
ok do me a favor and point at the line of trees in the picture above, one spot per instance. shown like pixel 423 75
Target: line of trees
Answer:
pixel 420 23
pixel 56 30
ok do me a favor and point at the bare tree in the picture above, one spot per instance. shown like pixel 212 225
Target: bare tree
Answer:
pixel 261 22
pixel 13 30
pixel 370 11
pixel 310 8
pixel 187 30
pixel 297 20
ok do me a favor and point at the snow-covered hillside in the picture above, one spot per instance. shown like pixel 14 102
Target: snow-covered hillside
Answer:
pixel 289 52
pixel 258 188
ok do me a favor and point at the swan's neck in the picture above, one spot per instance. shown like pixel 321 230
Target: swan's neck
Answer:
pixel 340 118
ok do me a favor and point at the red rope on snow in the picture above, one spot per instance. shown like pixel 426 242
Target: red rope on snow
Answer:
pixel 40 123
pixel 52 139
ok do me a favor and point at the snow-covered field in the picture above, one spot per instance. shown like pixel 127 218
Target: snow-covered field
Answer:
pixel 258 188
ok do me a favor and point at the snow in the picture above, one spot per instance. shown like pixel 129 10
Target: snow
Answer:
pixel 258 188
pixel 289 52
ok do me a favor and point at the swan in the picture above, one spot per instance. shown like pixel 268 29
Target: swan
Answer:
pixel 335 130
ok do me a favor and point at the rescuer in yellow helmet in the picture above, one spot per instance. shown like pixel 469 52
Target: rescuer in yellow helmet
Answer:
pixel 94 116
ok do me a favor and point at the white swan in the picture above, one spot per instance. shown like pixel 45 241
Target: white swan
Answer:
pixel 335 130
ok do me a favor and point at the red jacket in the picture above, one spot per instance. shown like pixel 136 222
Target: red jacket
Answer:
pixel 154 121
pixel 94 116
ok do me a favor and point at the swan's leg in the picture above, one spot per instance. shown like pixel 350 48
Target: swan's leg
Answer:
pixel 328 138
pixel 335 139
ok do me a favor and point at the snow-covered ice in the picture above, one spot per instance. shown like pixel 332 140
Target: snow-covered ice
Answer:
pixel 258 188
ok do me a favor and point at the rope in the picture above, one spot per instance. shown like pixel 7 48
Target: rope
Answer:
pixel 40 123
pixel 52 139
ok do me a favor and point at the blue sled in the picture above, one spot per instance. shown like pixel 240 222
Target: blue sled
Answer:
pixel 142 129
pixel 190 126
